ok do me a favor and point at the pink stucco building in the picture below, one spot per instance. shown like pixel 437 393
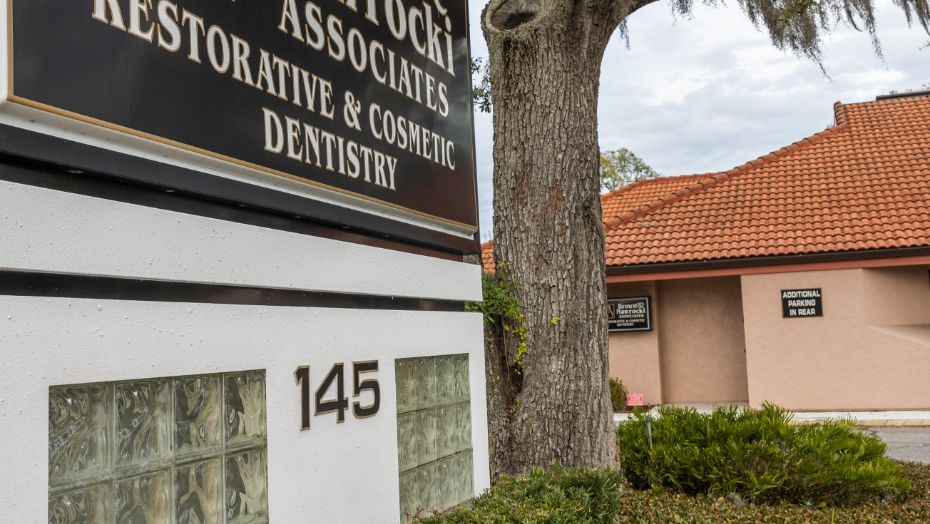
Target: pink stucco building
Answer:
pixel 842 216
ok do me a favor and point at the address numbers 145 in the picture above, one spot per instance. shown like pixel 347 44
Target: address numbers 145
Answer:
pixel 340 403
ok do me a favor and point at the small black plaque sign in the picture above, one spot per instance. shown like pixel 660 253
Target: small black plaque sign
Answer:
pixel 801 303
pixel 629 314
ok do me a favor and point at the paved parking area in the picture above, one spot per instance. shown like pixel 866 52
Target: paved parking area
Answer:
pixel 911 444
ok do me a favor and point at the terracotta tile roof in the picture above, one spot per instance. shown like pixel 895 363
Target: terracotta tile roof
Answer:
pixel 641 193
pixel 863 184
pixel 487 256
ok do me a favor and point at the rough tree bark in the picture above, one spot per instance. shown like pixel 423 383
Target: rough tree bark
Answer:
pixel 545 74
pixel 545 70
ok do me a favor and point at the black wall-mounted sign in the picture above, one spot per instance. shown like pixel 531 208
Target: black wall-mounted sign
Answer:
pixel 801 303
pixel 629 314
pixel 369 98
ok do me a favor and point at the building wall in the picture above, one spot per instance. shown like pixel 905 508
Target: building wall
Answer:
pixel 634 356
pixel 696 351
pixel 702 344
pixel 870 350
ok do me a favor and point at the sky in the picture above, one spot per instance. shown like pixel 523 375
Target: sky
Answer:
pixel 709 93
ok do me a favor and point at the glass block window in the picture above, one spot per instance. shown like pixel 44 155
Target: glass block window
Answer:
pixel 183 450
pixel 433 434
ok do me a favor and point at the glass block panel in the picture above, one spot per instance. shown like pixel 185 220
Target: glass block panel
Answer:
pixel 466 470
pixel 428 483
pixel 426 382
pixel 462 388
pixel 151 451
pixel 245 408
pixel 247 488
pixel 142 425
pixel 145 499
pixel 406 441
pixel 426 436
pixel 197 414
pixel 78 442
pixel 447 432
pixel 90 505
pixel 445 380
pixel 198 493
pixel 405 377
pixel 449 490
pixel 441 428
pixel 463 425
pixel 409 495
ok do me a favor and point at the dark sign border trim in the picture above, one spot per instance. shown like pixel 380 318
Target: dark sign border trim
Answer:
pixel 11 97
pixel 648 314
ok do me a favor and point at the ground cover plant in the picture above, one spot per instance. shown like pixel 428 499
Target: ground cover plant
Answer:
pixel 757 456
pixel 554 496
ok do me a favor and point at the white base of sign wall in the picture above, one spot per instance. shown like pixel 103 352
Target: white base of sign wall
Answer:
pixel 332 472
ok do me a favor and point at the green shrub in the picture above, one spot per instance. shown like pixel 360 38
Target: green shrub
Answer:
pixel 618 395
pixel 556 496
pixel 757 455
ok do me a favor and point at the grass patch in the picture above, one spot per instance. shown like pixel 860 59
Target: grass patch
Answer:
pixel 757 456
pixel 562 496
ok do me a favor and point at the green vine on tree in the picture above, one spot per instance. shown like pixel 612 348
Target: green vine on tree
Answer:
pixel 500 303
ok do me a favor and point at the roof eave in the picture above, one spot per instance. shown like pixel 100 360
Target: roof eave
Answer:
pixel 776 260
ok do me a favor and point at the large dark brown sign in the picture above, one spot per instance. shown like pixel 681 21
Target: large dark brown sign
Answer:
pixel 364 97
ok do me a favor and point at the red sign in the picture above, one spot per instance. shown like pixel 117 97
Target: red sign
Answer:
pixel 634 399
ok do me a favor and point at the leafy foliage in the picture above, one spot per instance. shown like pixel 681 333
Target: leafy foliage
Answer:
pixel 757 456
pixel 621 167
pixel 500 304
pixel 481 91
pixel 556 496
pixel 618 395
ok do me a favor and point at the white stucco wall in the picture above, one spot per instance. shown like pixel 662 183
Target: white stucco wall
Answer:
pixel 331 473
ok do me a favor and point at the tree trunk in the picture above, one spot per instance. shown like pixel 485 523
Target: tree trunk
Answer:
pixel 545 75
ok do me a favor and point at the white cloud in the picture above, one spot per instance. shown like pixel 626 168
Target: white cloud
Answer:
pixel 709 93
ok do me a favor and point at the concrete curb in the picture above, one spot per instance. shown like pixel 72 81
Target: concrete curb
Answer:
pixel 864 418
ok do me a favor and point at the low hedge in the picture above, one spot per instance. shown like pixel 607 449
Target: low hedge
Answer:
pixel 757 455
pixel 642 507
pixel 563 496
